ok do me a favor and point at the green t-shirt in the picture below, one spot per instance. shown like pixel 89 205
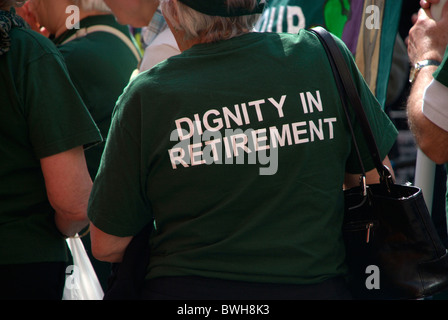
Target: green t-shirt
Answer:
pixel 235 221
pixel 41 115
pixel 441 73
pixel 100 65
pixel 369 30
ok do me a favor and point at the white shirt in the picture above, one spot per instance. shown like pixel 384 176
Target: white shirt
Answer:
pixel 435 104
pixel 161 48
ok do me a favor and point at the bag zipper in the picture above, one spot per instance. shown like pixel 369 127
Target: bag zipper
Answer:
pixel 360 226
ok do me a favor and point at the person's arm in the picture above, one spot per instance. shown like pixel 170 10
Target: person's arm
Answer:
pixel 372 177
pixel 431 139
pixel 68 186
pixel 107 247
pixel 428 40
pixel 118 208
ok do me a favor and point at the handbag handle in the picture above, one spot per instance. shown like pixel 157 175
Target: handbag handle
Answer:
pixel 347 89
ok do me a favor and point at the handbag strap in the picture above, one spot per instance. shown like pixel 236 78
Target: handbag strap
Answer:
pixel 348 89
pixel 105 28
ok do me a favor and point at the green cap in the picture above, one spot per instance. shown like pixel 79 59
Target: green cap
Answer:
pixel 219 8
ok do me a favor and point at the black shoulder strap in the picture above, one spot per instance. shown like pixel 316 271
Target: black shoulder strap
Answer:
pixel 348 88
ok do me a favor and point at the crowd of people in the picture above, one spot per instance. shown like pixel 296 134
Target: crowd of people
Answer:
pixel 98 137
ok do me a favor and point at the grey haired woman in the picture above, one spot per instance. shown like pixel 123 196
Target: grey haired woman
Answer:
pixel 44 181
pixel 238 148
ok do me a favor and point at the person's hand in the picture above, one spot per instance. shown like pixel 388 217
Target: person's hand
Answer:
pixel 428 39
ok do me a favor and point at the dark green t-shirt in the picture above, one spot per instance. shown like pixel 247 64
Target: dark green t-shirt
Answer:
pixel 441 73
pixel 369 29
pixel 218 213
pixel 41 115
pixel 100 65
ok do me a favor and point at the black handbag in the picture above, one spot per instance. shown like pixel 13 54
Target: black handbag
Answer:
pixel 393 250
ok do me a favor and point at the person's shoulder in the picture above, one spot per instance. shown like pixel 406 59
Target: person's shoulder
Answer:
pixel 308 36
pixel 154 82
pixel 313 40
pixel 300 44
pixel 144 81
pixel 31 42
pixel 303 36
pixel 104 43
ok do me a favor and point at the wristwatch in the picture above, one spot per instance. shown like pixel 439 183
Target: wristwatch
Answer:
pixel 420 65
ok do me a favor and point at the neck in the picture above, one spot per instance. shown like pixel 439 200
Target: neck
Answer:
pixel 82 15
pixel 149 9
pixel 186 44
pixel 179 35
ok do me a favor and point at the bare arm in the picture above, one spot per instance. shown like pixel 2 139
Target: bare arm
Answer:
pixel 68 185
pixel 427 41
pixel 372 177
pixel 431 139
pixel 107 247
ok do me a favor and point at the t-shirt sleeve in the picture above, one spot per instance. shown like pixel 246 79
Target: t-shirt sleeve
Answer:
pixel 441 73
pixel 382 127
pixel 434 104
pixel 436 95
pixel 118 204
pixel 58 120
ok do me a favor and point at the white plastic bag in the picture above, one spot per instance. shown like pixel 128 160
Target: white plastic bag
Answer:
pixel 81 282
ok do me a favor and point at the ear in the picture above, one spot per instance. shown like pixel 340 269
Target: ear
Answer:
pixel 174 11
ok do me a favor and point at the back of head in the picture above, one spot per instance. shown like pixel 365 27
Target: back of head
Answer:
pixel 9 20
pixel 212 20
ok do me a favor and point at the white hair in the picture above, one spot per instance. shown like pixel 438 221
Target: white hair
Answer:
pixel 91 5
pixel 209 28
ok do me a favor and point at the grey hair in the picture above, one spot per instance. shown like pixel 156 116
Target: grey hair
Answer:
pixel 91 5
pixel 209 28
